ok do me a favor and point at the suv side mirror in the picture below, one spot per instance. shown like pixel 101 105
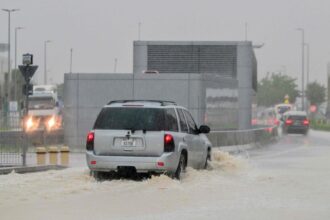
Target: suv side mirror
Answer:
pixel 204 129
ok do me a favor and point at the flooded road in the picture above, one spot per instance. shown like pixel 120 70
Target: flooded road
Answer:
pixel 286 180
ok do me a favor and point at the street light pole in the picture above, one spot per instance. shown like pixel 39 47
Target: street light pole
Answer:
pixel 16 29
pixel 45 61
pixel 307 69
pixel 139 31
pixel 15 76
pixel 246 30
pixel 302 68
pixel 71 53
pixel 9 67
pixel 115 66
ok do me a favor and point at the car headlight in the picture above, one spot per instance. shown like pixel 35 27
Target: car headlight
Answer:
pixel 29 123
pixel 51 122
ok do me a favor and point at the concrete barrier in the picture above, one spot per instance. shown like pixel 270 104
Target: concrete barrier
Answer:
pixel 262 135
pixel 41 155
pixel 53 151
pixel 64 155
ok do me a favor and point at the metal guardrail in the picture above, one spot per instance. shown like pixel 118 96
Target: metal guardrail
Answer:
pixel 241 137
pixel 14 142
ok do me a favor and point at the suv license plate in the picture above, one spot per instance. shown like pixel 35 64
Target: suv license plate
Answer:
pixel 297 123
pixel 128 143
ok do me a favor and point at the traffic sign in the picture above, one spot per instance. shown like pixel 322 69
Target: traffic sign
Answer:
pixel 27 71
pixel 312 108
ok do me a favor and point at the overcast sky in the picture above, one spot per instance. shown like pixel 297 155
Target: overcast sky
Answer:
pixel 101 30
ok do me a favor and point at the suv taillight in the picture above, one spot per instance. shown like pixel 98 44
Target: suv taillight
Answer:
pixel 306 122
pixel 90 141
pixel 289 122
pixel 168 143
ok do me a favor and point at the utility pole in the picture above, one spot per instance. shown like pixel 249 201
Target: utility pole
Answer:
pixel 45 61
pixel 246 30
pixel 71 52
pixel 139 31
pixel 307 70
pixel 115 66
pixel 302 68
pixel 27 70
pixel 15 76
pixel 328 106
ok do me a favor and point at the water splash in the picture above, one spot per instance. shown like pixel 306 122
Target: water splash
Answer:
pixel 223 161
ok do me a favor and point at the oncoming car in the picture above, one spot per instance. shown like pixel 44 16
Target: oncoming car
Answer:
pixel 295 122
pixel 146 137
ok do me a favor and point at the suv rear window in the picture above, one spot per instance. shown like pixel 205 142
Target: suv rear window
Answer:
pixel 171 122
pixel 183 124
pixel 150 119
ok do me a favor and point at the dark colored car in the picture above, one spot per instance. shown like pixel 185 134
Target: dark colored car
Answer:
pixel 295 122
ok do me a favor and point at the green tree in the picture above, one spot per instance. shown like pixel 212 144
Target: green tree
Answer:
pixel 273 88
pixel 315 93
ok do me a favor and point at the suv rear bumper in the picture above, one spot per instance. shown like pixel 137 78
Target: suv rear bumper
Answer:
pixel 297 129
pixel 142 164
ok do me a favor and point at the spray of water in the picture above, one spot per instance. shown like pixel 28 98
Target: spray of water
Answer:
pixel 223 161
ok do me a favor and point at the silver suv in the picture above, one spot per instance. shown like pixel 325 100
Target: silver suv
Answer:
pixel 146 136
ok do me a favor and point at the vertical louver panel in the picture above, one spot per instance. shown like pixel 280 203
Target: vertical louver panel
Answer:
pixel 217 59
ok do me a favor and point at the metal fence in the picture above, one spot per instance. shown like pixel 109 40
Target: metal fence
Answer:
pixel 12 140
pixel 14 143
pixel 261 135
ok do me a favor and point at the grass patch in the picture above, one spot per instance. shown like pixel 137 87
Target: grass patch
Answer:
pixel 320 125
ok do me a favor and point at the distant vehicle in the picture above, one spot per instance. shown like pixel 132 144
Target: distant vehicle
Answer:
pixel 268 117
pixel 295 122
pixel 44 111
pixel 280 109
pixel 146 137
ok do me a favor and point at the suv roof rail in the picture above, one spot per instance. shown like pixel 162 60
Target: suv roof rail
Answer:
pixel 162 102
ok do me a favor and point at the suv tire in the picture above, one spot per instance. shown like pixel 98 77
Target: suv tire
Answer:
pixel 98 176
pixel 181 167
pixel 208 158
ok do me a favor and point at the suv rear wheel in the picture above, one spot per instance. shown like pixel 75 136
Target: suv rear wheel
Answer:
pixel 98 176
pixel 181 167
pixel 208 159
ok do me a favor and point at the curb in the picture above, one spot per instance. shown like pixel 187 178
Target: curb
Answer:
pixel 30 169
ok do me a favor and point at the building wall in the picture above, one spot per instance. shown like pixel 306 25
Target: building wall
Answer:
pixel 245 67
pixel 229 59
pixel 218 95
pixel 179 57
pixel 221 102
pixel 86 94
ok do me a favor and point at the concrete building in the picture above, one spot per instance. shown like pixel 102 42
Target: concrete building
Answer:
pixel 216 81
pixel 235 60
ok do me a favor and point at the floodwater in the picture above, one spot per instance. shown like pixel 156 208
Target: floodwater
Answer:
pixel 286 180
